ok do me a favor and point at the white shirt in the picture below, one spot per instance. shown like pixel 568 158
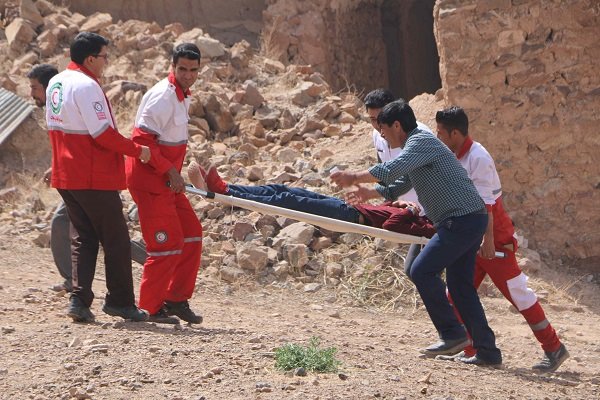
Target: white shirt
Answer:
pixel 162 114
pixel 75 104
pixel 482 171
pixel 386 153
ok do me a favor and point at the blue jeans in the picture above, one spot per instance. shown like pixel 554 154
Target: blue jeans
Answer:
pixel 454 247
pixel 296 199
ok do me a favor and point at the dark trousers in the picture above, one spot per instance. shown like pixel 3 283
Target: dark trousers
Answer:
pixel 297 199
pixel 454 247
pixel 97 218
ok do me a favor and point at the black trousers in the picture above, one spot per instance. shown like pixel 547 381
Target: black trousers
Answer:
pixel 97 218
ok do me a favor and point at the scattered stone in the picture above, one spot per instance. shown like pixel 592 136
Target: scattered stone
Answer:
pixel 312 287
pixel 8 329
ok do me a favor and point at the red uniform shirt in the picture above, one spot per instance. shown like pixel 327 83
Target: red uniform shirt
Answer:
pixel 87 151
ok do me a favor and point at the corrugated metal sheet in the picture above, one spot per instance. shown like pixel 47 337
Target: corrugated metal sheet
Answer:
pixel 13 111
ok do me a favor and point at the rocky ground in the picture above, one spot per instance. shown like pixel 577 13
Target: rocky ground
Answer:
pixel 230 356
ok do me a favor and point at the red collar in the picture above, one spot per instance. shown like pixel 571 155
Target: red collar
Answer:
pixel 178 89
pixel 465 148
pixel 78 67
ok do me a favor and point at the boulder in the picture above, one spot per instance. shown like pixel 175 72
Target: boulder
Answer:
pixel 19 33
pixel 29 12
pixel 252 258
pixel 96 22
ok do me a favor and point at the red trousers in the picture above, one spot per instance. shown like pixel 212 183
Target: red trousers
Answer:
pixel 173 236
pixel 512 282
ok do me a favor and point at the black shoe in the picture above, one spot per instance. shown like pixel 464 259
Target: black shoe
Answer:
pixel 552 360
pixel 79 311
pixel 476 360
pixel 183 311
pixel 128 312
pixel 446 347
pixel 161 317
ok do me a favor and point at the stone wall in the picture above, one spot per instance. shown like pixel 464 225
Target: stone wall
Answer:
pixel 239 19
pixel 527 73
pixel 357 44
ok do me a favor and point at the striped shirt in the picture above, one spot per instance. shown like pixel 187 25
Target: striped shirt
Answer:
pixel 442 184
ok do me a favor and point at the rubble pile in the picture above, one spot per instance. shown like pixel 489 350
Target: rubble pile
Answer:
pixel 257 120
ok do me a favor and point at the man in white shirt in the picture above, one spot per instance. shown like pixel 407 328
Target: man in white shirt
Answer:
pixel 374 103
pixel 170 226
pixel 453 130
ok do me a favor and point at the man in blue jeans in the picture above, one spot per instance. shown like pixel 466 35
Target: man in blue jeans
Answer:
pixel 451 201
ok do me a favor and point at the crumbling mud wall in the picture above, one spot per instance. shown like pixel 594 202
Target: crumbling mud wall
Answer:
pixel 228 21
pixel 357 44
pixel 527 73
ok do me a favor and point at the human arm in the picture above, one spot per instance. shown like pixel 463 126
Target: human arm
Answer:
pixel 488 249
pixel 97 117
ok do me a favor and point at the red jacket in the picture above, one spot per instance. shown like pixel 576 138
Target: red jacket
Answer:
pixel 87 151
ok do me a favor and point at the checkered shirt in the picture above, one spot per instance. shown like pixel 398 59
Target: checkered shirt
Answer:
pixel 442 184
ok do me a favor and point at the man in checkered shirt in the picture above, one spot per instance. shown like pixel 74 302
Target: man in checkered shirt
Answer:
pixel 451 201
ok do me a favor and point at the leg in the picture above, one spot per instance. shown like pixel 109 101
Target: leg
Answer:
pixel 413 251
pixel 85 248
pixel 164 242
pixel 425 273
pixel 325 206
pixel 60 244
pixel 465 233
pixel 512 282
pixel 183 282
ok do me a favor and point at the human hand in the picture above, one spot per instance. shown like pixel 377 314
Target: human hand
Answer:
pixel 145 154
pixel 487 249
pixel 176 182
pixel 342 178
pixel 360 194
pixel 47 176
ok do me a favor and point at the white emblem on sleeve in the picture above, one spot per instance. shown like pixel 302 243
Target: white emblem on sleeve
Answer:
pixel 99 109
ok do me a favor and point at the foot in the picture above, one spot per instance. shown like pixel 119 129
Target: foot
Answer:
pixel 480 362
pixel 214 182
pixel 446 347
pixel 59 287
pixel 195 176
pixel 182 310
pixel 552 360
pixel 161 317
pixel 127 312
pixel 79 311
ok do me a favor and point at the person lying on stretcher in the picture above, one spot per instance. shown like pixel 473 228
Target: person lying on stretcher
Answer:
pixel 401 217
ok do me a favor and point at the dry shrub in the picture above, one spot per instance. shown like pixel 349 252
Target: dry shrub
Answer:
pixel 383 286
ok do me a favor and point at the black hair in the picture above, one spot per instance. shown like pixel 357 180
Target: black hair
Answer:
pixel 453 118
pixel 87 44
pixel 42 73
pixel 378 98
pixel 400 111
pixel 186 50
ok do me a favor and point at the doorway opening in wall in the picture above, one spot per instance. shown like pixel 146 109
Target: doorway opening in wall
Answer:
pixel 411 52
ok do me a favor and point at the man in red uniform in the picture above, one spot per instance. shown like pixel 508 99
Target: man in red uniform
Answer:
pixel 453 130
pixel 88 171
pixel 171 229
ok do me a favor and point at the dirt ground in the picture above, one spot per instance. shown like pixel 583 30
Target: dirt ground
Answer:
pixel 43 355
